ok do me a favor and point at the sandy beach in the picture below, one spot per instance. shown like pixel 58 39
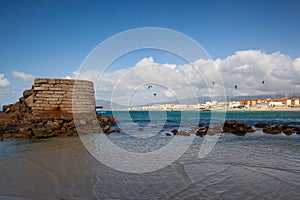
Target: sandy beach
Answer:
pixel 61 168
pixel 58 168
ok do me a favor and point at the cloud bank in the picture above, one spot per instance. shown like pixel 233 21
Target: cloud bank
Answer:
pixel 22 75
pixel 254 72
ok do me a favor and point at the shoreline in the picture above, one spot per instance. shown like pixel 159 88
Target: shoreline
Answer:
pixel 204 110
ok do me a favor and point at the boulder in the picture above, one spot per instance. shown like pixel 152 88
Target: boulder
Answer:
pixel 272 130
pixel 288 131
pixel 236 128
pixel 106 129
pixel 230 123
pixel 261 125
pixel 201 132
pixel 174 131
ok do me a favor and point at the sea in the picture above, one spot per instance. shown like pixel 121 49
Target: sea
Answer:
pixel 141 162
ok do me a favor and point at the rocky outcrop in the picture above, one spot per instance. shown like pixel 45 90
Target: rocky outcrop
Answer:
pixel 236 128
pixel 278 129
pixel 241 129
pixel 48 110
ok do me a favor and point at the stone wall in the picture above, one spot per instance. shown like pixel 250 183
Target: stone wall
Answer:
pixel 71 96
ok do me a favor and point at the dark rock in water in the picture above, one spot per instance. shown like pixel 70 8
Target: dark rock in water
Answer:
pixel 201 132
pixel 230 123
pixel 288 131
pixel 174 131
pixel 116 131
pixel 296 129
pixel 1 138
pixel 106 129
pixel 261 125
pixel 285 126
pixel 278 127
pixel 272 130
pixel 237 128
pixel 168 134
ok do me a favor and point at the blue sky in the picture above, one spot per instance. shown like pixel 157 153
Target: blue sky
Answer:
pixel 52 38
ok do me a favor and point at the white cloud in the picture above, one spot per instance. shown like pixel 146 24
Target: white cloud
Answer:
pixel 22 75
pixel 3 81
pixel 67 77
pixel 246 69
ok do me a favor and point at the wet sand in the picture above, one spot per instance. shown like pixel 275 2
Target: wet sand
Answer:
pixel 61 168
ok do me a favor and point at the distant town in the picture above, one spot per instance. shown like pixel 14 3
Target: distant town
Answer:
pixel 257 104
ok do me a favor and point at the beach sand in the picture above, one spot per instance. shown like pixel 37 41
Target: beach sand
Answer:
pixel 59 168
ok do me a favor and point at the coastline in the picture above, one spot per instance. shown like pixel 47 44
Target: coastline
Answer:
pixel 203 110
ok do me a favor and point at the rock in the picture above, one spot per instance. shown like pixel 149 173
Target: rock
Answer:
pixel 7 110
pixel 41 132
pixel 7 135
pixel 26 132
pixel 296 129
pixel 272 130
pixel 201 132
pixel 168 134
pixel 239 132
pixel 288 131
pixel 106 129
pixel 183 133
pixel 278 127
pixel 29 101
pixel 261 125
pixel 285 126
pixel 230 123
pixel 27 93
pixel 236 128
pixel 174 131
pixel 116 131
pixel 1 138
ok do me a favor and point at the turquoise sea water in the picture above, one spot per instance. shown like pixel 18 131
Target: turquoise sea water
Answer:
pixel 254 166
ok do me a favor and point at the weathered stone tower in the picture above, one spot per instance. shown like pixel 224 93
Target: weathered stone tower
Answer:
pixel 54 107
pixel 71 96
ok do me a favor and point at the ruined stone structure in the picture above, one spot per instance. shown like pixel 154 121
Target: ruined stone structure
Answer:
pixel 70 96
pixel 54 107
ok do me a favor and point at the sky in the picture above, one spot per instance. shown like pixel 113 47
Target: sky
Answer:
pixel 248 41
